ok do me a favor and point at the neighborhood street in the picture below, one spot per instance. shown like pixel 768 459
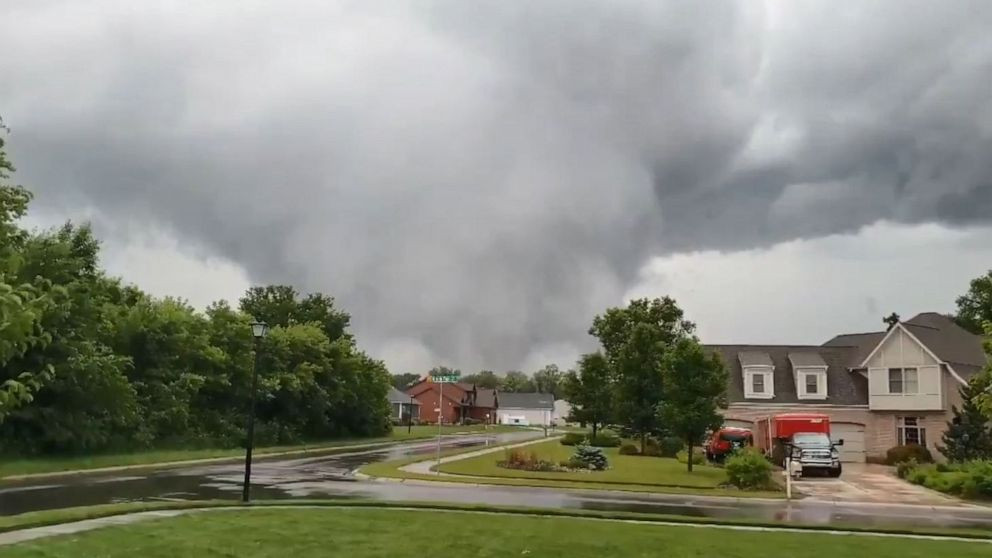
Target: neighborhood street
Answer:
pixel 332 476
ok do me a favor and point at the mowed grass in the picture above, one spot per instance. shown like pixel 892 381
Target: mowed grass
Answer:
pixel 55 464
pixel 366 533
pixel 624 469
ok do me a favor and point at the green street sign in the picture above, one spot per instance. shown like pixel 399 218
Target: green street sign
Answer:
pixel 448 379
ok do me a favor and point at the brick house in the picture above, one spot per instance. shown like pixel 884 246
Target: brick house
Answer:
pixel 880 389
pixel 459 401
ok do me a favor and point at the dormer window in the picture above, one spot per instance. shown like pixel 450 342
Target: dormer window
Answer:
pixel 810 372
pixel 759 378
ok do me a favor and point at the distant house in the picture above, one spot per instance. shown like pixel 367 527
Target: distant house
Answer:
pixel 459 402
pixel 527 409
pixel 403 406
pixel 880 389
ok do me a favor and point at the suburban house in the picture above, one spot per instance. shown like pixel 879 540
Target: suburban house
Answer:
pixel 459 402
pixel 527 409
pixel 880 389
pixel 403 406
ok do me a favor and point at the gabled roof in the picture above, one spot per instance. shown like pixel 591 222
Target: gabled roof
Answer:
pixel 485 397
pixel 949 341
pixel 810 359
pixel 397 396
pixel 526 401
pixel 843 386
pixel 862 344
pixel 754 358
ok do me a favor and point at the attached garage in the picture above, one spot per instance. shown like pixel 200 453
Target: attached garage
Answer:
pixel 853 434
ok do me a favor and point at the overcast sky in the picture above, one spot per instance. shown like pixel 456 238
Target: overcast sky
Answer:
pixel 474 181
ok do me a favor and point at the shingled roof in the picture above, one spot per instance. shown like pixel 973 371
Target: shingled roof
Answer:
pixel 526 401
pixel 843 386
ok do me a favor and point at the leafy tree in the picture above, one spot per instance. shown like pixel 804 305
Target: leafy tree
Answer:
pixel 696 385
pixel 281 305
pixel 635 341
pixel 548 379
pixel 975 306
pixel 968 435
pixel 589 391
pixel 403 381
pixel 443 371
pixel 985 399
pixel 516 382
pixel 483 379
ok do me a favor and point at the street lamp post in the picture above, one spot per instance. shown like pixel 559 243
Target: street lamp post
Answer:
pixel 258 331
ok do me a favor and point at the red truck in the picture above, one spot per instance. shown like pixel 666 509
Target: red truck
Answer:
pixel 725 441
pixel 804 436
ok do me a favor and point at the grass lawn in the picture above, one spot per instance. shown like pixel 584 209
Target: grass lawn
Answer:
pixel 624 469
pixel 362 533
pixel 35 465
pixel 391 469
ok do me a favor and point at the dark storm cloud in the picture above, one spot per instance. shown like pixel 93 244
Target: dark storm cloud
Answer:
pixel 482 177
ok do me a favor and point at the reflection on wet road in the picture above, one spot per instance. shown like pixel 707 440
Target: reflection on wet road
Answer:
pixel 332 476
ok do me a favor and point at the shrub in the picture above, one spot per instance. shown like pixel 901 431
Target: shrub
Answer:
pixel 977 481
pixel 605 440
pixel 588 457
pixel 471 421
pixel 573 439
pixel 697 458
pixel 898 454
pixel 904 467
pixel 629 449
pixel 748 469
pixel 519 459
pixel 670 446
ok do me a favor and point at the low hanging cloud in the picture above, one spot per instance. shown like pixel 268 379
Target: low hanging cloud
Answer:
pixel 475 180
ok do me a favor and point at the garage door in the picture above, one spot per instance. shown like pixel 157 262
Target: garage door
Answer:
pixel 853 435
pixel 733 423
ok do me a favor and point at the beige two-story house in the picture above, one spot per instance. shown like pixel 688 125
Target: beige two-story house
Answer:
pixel 880 388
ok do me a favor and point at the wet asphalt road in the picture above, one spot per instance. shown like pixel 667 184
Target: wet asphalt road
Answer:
pixel 333 476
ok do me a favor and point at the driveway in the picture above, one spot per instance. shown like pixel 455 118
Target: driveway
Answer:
pixel 865 482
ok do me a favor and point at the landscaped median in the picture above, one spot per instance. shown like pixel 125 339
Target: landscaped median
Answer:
pixel 375 529
pixel 626 473
pixel 16 468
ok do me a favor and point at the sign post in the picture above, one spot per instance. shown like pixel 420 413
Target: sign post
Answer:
pixel 441 379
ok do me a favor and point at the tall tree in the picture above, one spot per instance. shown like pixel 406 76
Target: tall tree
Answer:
pixel 548 379
pixel 486 379
pixel 403 381
pixel 589 391
pixel 282 305
pixel 515 381
pixel 969 434
pixel 975 306
pixel 985 399
pixel 695 390
pixel 635 341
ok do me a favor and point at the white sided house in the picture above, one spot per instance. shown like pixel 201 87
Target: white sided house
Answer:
pixel 881 389
pixel 526 409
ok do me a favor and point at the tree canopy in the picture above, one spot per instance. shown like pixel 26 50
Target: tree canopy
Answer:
pixel 590 391
pixel 975 306
pixel 88 363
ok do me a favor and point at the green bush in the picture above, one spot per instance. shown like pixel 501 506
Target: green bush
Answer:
pixel 520 459
pixel 573 439
pixel 697 458
pixel 588 457
pixel 904 467
pixel 670 446
pixel 749 470
pixel 629 449
pixel 898 454
pixel 605 440
pixel 972 479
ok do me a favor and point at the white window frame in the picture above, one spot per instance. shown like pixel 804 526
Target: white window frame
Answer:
pixel 768 376
pixel 820 373
pixel 918 425
pixel 902 380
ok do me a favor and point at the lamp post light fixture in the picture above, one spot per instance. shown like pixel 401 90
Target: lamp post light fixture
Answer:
pixel 258 331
